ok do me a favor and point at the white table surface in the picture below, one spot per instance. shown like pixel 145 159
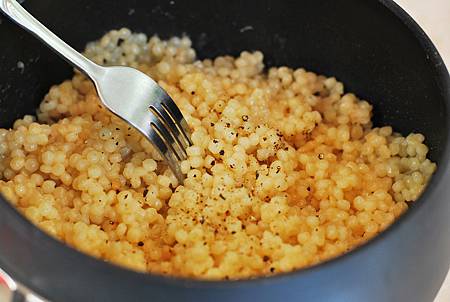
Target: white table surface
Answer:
pixel 434 17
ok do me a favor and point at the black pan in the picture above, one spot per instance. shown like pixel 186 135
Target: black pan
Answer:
pixel 372 46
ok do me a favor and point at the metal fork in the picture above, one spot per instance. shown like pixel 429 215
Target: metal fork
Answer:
pixel 127 92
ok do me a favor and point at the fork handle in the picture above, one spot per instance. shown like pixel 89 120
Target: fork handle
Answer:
pixel 18 14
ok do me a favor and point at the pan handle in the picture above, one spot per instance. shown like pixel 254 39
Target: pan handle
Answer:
pixel 16 292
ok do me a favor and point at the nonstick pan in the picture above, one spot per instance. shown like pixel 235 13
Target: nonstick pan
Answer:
pixel 372 46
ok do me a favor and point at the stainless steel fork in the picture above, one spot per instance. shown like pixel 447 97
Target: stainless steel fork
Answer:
pixel 127 92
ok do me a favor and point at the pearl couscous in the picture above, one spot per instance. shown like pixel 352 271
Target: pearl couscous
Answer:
pixel 285 171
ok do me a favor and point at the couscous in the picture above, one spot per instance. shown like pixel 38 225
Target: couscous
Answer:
pixel 286 170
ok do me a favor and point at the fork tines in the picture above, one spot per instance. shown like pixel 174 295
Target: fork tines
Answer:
pixel 172 132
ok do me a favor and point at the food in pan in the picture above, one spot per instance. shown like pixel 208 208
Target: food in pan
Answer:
pixel 286 169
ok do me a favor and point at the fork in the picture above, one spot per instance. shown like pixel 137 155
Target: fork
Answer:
pixel 125 91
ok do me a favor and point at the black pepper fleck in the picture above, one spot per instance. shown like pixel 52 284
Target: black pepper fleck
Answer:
pixel 140 243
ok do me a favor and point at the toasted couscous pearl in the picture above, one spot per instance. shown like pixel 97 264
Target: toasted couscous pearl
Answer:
pixel 285 170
